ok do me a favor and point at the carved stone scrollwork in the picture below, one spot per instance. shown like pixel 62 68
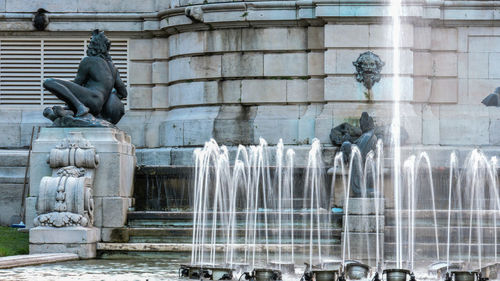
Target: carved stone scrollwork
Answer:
pixel 65 198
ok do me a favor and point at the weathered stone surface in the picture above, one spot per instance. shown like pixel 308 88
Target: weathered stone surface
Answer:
pixel 261 91
pixel 114 235
pixel 444 64
pixel 159 97
pixel 365 206
pixel 242 64
pixel 76 235
pixel 365 223
pixel 352 36
pixel 160 72
pixel 493 63
pixel 193 93
pixel 315 63
pixel 444 90
pixel 421 89
pixel 423 37
pixel 315 90
pixel 116 6
pixel 231 91
pixel 286 64
pixel 114 211
pixel 274 39
pixel 34 259
pixel 140 49
pixel 13 138
pixel 84 251
pixel 224 40
pixel 10 203
pixel 187 43
pixel 422 63
pixel 194 68
pixel 51 5
pixel 430 124
pixel 296 91
pixel 444 39
pixel 140 97
pixel 159 48
pixel 227 131
pixel 463 124
pixel 140 73
pixel 381 36
pixel 315 37
pixel 347 89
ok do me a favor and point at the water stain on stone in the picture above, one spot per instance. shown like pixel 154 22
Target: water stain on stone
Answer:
pixel 234 125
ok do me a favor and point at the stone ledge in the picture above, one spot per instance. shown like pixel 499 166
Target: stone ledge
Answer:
pixel 53 235
pixel 25 260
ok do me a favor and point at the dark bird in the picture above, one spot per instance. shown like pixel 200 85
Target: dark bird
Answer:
pixel 40 19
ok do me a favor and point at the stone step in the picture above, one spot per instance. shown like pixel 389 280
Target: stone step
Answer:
pixel 25 260
pixel 426 217
pixel 426 234
pixel 188 215
pixel 184 219
pixel 458 251
pixel 184 235
pixel 13 158
pixel 12 175
pixel 186 247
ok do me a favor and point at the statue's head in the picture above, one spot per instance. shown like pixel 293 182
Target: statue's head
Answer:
pixel 99 45
pixel 346 149
pixel 368 68
pixel 366 122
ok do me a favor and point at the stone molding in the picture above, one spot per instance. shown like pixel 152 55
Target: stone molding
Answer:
pixel 178 16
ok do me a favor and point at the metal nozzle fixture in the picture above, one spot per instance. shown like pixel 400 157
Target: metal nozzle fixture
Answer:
pixel 397 274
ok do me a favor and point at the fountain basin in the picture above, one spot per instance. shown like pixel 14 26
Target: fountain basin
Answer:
pixel 396 274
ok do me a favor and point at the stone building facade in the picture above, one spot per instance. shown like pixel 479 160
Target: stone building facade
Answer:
pixel 240 70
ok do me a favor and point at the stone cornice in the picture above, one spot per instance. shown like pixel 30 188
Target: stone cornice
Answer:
pixel 258 13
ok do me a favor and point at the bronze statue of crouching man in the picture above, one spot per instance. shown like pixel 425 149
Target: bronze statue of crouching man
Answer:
pixel 93 99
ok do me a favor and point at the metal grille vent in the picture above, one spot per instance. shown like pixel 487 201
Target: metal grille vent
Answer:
pixel 25 63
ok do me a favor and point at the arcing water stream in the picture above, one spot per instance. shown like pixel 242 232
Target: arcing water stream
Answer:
pixel 263 211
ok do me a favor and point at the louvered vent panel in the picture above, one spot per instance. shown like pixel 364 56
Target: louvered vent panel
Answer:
pixel 25 63
pixel 20 72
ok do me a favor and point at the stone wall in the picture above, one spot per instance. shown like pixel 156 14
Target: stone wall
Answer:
pixel 240 70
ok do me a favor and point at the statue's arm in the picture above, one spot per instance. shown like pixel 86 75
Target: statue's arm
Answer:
pixel 121 89
pixel 83 72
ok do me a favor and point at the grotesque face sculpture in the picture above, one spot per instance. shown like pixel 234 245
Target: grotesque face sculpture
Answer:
pixel 368 67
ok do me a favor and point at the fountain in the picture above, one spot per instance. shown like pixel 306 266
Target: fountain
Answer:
pixel 258 211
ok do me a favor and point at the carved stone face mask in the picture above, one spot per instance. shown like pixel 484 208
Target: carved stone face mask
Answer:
pixel 368 68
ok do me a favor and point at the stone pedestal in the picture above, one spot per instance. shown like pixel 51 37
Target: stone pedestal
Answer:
pixel 363 216
pixel 77 240
pixel 112 190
